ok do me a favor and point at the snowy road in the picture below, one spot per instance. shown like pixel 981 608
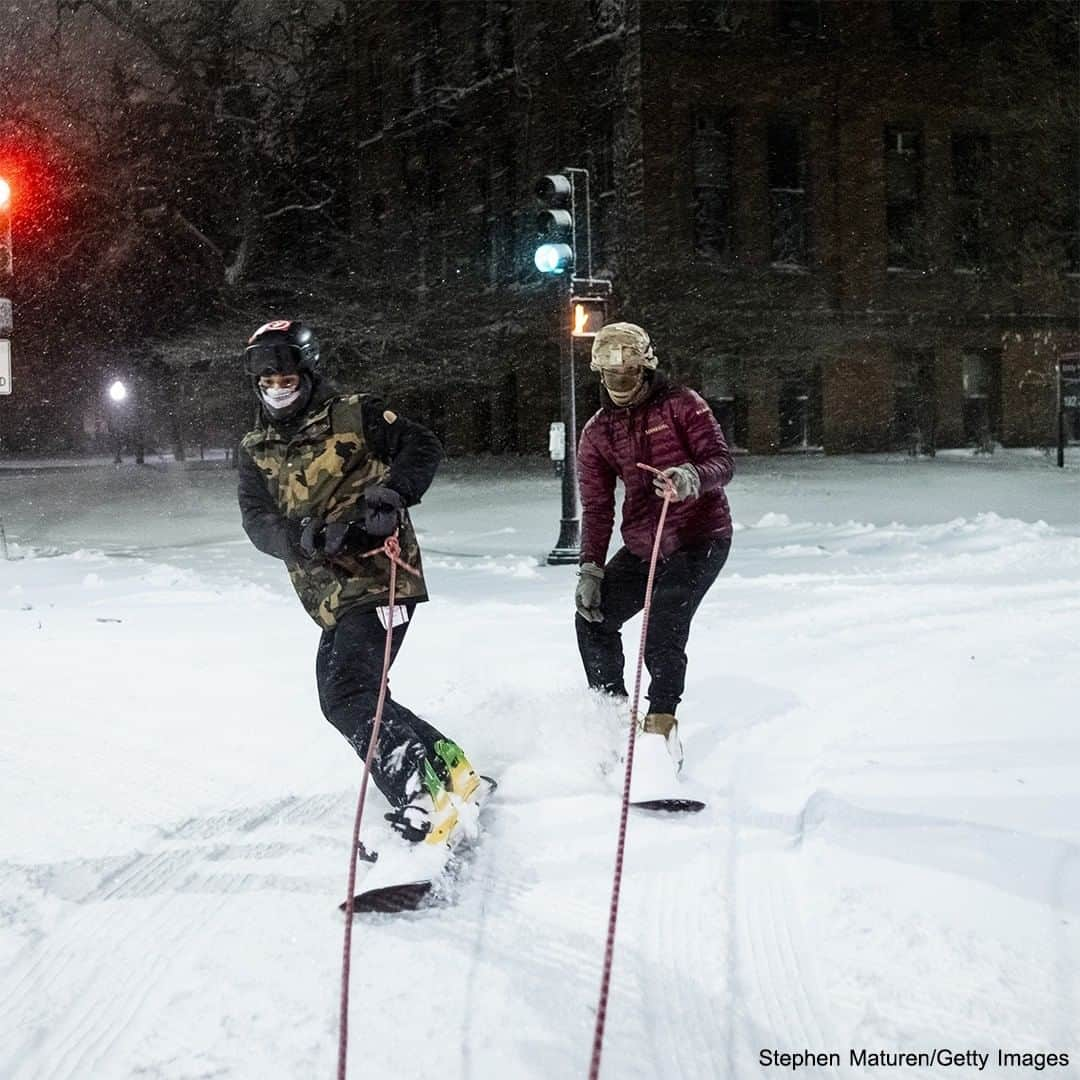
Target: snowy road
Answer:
pixel 882 708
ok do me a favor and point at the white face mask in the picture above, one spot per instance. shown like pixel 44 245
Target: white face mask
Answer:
pixel 278 398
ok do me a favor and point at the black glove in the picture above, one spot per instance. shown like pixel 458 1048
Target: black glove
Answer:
pixel 312 537
pixel 383 508
pixel 328 540
pixel 344 538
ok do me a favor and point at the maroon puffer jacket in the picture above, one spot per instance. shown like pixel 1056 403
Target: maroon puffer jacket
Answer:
pixel 672 426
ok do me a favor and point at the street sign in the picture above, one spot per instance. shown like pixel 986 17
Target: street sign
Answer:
pixel 557 440
pixel 1070 382
pixel 5 367
pixel 1068 397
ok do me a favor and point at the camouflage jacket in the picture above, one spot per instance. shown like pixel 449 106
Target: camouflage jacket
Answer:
pixel 320 467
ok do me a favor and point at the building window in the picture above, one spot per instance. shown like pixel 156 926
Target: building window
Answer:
pixel 788 203
pixel 1071 217
pixel 712 160
pixel 504 189
pixel 981 374
pixel 712 15
pixel 376 100
pixel 971 167
pixel 423 66
pixel 981 20
pixel 799 407
pixel 421 177
pixel 503 18
pixel 721 387
pixel 481 41
pixel 904 218
pixel 602 184
pixel 606 15
pixel 493 39
pixel 914 409
pixel 496 182
pixel 800 18
pixel 379 209
pixel 912 22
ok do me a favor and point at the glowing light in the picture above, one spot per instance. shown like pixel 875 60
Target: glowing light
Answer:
pixel 581 319
pixel 118 391
pixel 5 193
pixel 553 258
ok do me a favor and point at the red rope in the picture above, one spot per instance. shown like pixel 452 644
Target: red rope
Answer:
pixel 609 947
pixel 392 550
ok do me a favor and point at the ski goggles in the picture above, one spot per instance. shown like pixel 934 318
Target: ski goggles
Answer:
pixel 276 358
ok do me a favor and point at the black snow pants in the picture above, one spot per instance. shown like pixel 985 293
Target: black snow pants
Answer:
pixel 680 584
pixel 347 669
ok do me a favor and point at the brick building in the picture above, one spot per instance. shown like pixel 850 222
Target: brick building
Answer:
pixel 850 225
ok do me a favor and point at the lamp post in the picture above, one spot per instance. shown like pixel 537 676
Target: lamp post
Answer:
pixel 6 318
pixel 118 394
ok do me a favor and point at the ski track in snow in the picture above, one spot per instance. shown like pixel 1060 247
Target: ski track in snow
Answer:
pixel 880 715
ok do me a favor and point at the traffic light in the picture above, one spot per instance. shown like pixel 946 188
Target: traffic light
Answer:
pixel 589 314
pixel 5 228
pixel 556 237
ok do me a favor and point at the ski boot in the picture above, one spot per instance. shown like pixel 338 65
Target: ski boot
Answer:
pixel 666 725
pixel 430 816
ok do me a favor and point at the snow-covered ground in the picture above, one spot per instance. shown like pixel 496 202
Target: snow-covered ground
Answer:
pixel 883 710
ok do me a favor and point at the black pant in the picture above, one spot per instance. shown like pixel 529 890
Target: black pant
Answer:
pixel 680 583
pixel 347 669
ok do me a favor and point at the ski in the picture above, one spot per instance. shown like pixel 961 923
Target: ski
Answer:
pixel 671 805
pixel 405 874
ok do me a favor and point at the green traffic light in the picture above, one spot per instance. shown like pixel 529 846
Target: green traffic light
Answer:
pixel 553 258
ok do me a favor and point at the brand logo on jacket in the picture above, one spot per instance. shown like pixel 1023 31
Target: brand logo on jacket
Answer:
pixel 654 430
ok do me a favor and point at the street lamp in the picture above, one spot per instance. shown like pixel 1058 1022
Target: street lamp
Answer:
pixel 5 228
pixel 119 422
pixel 6 319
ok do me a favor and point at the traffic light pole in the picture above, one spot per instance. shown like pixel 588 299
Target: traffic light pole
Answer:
pixel 558 225
pixel 567 548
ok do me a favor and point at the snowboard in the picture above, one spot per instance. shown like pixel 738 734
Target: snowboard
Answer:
pixel 404 874
pixel 654 783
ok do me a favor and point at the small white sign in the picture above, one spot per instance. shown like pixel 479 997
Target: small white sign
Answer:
pixel 557 440
pixel 5 367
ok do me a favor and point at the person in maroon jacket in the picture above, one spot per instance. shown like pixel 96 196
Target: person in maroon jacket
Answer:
pixel 647 419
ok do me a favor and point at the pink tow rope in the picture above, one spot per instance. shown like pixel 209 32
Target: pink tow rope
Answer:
pixel 392 550
pixel 609 948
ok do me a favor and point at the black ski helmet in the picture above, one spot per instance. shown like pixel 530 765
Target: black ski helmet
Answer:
pixel 282 347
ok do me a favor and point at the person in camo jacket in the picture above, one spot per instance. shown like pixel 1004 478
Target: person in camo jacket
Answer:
pixel 646 419
pixel 325 478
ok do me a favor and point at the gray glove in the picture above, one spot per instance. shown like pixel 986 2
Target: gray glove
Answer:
pixel 587 597
pixel 684 477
